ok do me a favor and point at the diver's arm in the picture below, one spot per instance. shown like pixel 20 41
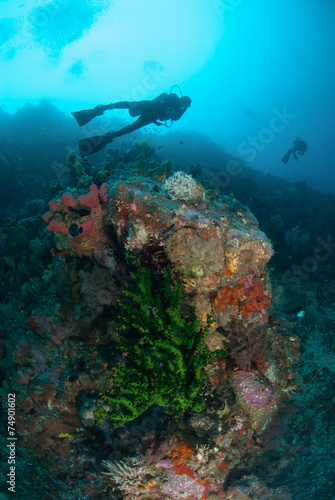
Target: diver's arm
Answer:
pixel 179 113
pixel 176 109
pixel 173 110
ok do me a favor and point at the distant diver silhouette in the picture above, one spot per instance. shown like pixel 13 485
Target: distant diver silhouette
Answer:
pixel 299 146
pixel 164 107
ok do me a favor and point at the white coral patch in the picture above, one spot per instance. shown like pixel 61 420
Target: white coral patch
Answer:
pixel 180 186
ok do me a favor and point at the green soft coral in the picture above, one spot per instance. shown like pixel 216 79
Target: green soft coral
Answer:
pixel 164 365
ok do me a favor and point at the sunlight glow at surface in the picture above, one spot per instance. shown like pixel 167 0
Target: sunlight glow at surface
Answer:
pixel 237 59
pixel 179 37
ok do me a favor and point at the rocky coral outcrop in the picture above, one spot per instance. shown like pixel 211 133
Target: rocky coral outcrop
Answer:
pixel 217 257
pixel 218 253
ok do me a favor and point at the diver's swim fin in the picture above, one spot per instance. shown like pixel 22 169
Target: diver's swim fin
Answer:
pixel 86 115
pixel 93 144
pixel 286 157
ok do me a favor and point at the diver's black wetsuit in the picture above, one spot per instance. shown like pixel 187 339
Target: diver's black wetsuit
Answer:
pixel 299 146
pixel 164 107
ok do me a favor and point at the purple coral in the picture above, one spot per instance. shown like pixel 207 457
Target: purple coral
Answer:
pixel 253 391
pixel 182 484
pixel 247 281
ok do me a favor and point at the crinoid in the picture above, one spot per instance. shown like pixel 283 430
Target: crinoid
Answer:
pixel 126 474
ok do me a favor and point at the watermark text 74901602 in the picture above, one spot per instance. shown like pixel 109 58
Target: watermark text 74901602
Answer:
pixel 11 443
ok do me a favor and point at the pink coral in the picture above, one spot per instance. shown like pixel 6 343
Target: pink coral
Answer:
pixel 55 205
pixel 88 228
pixel 58 227
pixel 68 200
pixel 103 193
pixel 91 199
pixel 68 212
pixel 46 217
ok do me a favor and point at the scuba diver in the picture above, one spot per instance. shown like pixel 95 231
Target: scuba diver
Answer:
pixel 299 146
pixel 164 107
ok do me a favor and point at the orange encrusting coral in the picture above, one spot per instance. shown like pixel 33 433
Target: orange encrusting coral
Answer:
pixel 247 300
pixel 179 455
pixel 224 465
pixel 184 469
pixel 182 452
